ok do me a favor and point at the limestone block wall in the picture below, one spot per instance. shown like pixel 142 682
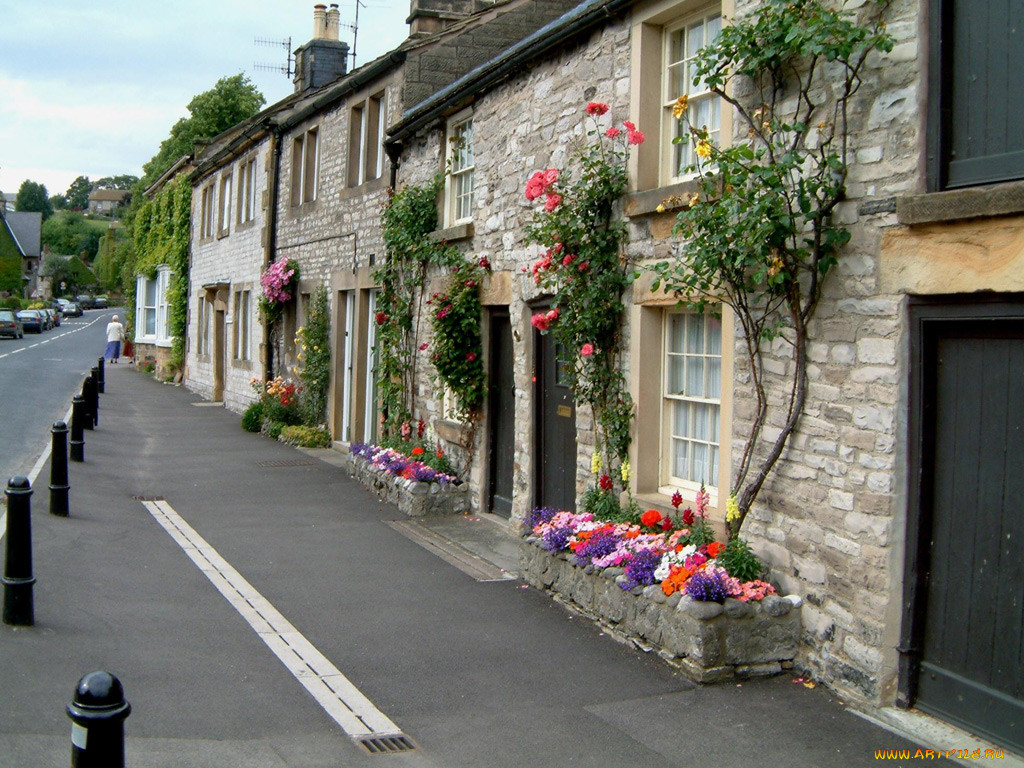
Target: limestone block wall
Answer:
pixel 235 260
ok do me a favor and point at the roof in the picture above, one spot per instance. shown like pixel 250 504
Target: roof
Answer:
pixel 27 227
pixel 550 38
pixel 5 228
pixel 115 195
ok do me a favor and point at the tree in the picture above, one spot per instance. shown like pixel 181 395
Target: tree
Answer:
pixel 33 197
pixel 70 233
pixel 760 237
pixel 212 112
pixel 124 181
pixel 72 272
pixel 78 193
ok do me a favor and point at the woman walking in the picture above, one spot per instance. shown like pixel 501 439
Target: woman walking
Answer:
pixel 115 335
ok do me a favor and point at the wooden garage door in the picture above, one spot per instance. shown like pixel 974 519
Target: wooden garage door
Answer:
pixel 971 524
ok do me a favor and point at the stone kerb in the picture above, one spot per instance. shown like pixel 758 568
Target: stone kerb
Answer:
pixel 710 642
pixel 413 499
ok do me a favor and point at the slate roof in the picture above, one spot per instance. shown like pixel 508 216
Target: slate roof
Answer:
pixel 27 228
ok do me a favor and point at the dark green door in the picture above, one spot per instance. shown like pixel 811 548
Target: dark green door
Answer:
pixel 971 525
pixel 555 454
pixel 501 404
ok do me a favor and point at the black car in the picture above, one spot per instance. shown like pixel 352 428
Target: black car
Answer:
pixel 70 309
pixel 32 320
pixel 84 300
pixel 10 325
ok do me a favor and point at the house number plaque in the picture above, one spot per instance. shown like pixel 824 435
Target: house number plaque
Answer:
pixel 565 410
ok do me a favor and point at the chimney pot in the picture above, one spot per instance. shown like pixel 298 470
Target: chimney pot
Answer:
pixel 332 22
pixel 319 21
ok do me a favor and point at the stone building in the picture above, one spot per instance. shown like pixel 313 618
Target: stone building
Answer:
pixel 893 511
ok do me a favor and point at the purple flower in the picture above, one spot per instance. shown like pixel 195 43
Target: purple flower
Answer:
pixel 708 586
pixel 639 570
pixel 598 545
pixel 538 516
pixel 557 539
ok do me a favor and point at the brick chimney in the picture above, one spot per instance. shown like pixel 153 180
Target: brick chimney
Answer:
pixel 324 58
pixel 429 16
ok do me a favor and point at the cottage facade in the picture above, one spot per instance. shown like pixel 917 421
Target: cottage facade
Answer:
pixel 864 514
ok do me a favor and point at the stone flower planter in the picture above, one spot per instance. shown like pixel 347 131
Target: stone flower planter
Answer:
pixel 412 498
pixel 710 642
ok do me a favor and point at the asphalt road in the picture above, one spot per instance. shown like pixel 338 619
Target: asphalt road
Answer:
pixel 38 377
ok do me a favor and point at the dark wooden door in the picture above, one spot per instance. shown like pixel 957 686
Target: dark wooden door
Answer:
pixel 501 405
pixel 970 512
pixel 555 453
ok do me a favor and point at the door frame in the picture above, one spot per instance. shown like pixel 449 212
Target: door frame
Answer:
pixel 927 314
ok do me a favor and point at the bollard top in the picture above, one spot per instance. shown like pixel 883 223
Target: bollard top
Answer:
pixel 77 399
pixel 18 484
pixel 59 426
pixel 98 696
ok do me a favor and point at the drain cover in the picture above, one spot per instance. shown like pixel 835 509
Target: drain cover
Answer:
pixel 386 745
pixel 287 463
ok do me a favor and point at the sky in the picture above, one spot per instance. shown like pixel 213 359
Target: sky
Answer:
pixel 91 87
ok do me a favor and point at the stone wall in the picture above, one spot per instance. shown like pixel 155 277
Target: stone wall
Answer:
pixel 710 642
pixel 412 498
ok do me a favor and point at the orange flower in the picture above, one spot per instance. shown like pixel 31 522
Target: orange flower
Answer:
pixel 417 451
pixel 715 548
pixel 650 518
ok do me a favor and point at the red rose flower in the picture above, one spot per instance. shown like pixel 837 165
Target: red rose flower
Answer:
pixel 596 108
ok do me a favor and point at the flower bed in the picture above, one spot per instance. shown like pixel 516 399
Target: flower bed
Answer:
pixel 416 488
pixel 663 594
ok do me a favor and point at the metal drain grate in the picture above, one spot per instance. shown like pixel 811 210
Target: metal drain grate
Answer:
pixel 148 498
pixel 288 463
pixel 386 745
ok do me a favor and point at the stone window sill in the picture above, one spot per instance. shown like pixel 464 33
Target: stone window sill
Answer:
pixel 959 204
pixel 646 202
pixel 453 432
pixel 451 234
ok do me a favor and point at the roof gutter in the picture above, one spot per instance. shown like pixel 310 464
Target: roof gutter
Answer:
pixel 581 19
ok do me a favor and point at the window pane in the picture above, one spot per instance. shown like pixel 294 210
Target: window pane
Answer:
pixel 676 368
pixel 701 467
pixel 701 422
pixel 681 425
pixel 714 335
pixel 713 467
pixel 151 293
pixel 713 384
pixel 695 376
pixel 677 325
pixel 694 334
pixel 680 458
pixel 150 321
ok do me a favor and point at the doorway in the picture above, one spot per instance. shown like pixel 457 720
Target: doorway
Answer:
pixel 555 449
pixel 501 404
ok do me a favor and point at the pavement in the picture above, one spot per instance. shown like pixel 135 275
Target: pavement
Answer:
pixel 261 608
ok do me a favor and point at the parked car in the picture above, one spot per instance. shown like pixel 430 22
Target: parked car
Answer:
pixel 84 300
pixel 100 302
pixel 55 316
pixel 32 320
pixel 10 325
pixel 71 309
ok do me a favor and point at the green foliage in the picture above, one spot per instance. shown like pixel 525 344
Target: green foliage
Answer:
pixel 252 418
pixel 71 233
pixel 407 220
pixel 10 263
pixel 314 344
pixel 306 436
pixel 160 235
pixel 586 271
pixel 740 561
pixel 759 232
pixel 12 302
pixel 604 505
pixel 123 181
pixel 231 100
pixel 71 271
pixel 77 196
pixel 33 197
pixel 274 429
pixel 457 349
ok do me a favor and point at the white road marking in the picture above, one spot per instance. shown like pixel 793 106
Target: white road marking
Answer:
pixel 338 697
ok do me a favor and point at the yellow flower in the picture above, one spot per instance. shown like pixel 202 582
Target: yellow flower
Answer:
pixel 595 463
pixel 703 149
pixel 680 106
pixel 694 199
pixel 316 348
pixel 625 470
pixel 660 208
pixel 732 509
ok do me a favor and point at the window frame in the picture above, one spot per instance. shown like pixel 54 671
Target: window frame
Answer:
pixel 206 211
pixel 669 170
pixel 453 212
pixel 241 341
pixel 224 207
pixel 246 191
pixel 668 481
pixel 367 122
pixel 305 166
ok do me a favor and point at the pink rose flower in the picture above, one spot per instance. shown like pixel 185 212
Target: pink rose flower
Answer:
pixel 596 108
pixel 553 201
pixel 612 132
pixel 636 137
pixel 587 350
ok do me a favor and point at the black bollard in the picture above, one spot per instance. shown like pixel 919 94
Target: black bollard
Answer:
pixel 77 451
pixel 19 609
pixel 98 711
pixel 101 381
pixel 87 396
pixel 95 374
pixel 59 470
